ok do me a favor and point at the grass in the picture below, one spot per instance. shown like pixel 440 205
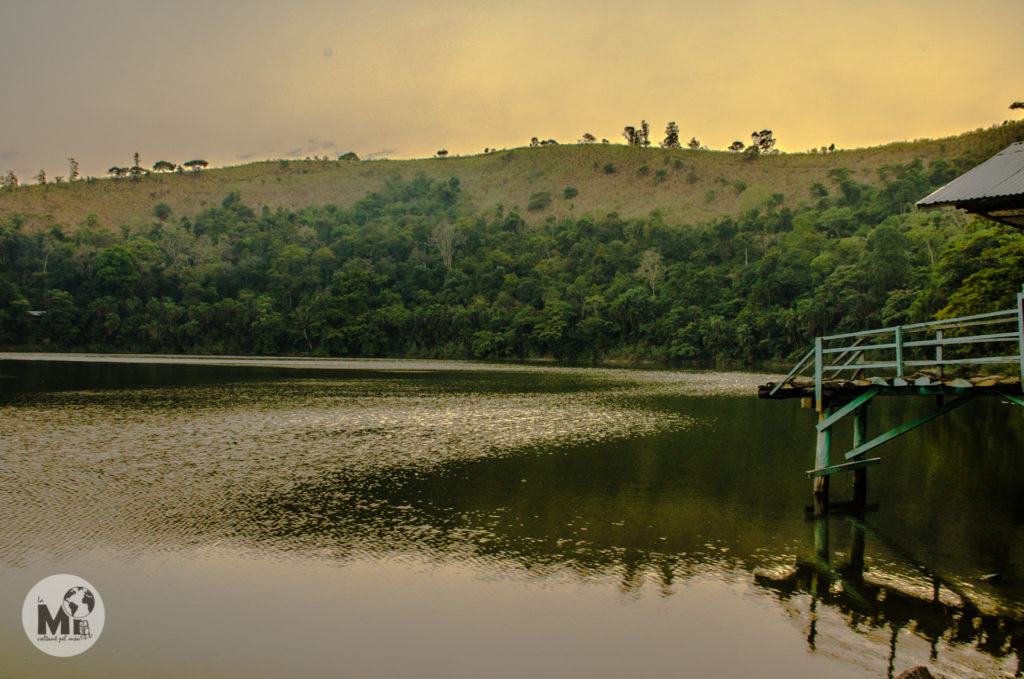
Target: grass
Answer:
pixel 677 187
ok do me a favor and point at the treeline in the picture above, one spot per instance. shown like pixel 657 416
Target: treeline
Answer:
pixel 410 271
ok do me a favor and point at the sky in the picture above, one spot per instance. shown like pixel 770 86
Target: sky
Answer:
pixel 235 81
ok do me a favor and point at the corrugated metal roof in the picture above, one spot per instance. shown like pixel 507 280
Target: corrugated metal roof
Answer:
pixel 998 178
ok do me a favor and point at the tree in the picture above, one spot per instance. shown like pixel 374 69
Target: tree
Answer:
pixel 588 138
pixel 671 140
pixel 693 143
pixel 351 155
pixel 534 142
pixel 196 165
pixel 446 237
pixel 1017 104
pixel 10 179
pixel 763 140
pixel 73 173
pixel 136 170
pixel 163 166
pixel 635 137
pixel 651 268
pixel 442 153
pixel 736 146
pixel 41 177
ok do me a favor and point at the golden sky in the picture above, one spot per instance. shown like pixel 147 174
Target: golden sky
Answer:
pixel 231 81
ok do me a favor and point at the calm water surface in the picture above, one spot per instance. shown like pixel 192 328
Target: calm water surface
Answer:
pixel 419 519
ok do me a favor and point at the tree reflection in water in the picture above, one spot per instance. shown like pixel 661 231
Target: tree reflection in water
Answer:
pixel 592 516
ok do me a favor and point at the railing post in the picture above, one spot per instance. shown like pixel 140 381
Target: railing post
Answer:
pixel 899 351
pixel 817 374
pixel 1020 333
pixel 938 353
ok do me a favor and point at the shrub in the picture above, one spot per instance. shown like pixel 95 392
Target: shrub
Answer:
pixel 539 200
pixel 570 192
pixel 660 176
pixel 162 211
pixel 609 168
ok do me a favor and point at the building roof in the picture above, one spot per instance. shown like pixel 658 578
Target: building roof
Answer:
pixel 994 189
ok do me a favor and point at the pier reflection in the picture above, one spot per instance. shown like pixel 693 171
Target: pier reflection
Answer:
pixel 645 522
pixel 928 606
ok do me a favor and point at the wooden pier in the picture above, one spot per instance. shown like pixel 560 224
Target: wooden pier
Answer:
pixel 948 360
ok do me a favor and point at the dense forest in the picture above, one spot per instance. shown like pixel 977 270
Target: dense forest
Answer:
pixel 412 270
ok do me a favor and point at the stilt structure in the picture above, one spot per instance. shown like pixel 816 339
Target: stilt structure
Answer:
pixel 851 369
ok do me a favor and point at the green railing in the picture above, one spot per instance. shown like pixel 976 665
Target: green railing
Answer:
pixel 920 347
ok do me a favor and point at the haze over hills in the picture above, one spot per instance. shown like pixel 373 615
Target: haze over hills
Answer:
pixel 685 186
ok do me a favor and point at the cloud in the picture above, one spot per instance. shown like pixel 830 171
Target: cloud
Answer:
pixel 9 154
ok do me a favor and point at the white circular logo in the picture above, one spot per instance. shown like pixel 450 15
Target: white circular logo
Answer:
pixel 63 615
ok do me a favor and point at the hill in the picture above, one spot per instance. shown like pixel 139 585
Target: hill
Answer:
pixel 685 186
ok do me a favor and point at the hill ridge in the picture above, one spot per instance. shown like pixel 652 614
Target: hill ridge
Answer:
pixel 685 186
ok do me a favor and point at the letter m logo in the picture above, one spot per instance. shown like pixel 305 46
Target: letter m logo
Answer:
pixel 48 622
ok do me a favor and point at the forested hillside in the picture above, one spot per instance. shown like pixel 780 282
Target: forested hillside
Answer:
pixel 419 269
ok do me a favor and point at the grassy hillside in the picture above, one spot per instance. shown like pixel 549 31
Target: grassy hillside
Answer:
pixel 685 186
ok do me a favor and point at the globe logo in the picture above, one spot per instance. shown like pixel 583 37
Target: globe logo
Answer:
pixel 63 615
pixel 78 602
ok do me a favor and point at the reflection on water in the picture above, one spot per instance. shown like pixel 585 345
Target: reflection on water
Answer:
pixel 638 483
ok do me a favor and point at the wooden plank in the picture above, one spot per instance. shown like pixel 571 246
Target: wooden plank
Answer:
pixel 845 466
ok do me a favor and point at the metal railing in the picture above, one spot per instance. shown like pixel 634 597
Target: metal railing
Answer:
pixel 918 346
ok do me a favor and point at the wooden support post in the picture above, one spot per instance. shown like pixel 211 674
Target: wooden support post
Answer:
pixel 855 570
pixel 821 580
pixel 822 453
pixel 860 436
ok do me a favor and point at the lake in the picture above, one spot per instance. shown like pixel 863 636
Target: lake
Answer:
pixel 266 518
